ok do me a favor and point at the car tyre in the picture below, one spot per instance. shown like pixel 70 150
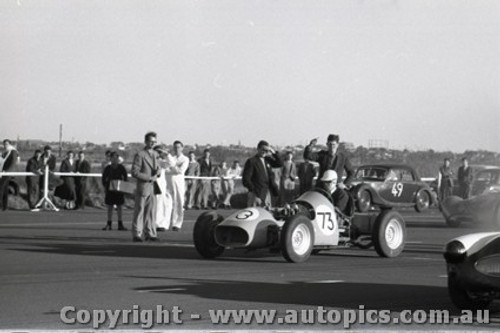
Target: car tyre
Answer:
pixel 463 299
pixel 389 234
pixel 204 235
pixel 297 239
pixel 423 201
pixel 364 202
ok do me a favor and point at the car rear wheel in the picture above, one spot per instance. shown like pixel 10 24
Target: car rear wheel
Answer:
pixel 423 201
pixel 364 201
pixel 464 299
pixel 204 235
pixel 389 234
pixel 297 239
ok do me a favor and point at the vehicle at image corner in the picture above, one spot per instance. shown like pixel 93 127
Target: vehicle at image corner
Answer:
pixel 486 180
pixel 390 185
pixel 309 224
pixel 481 209
pixel 473 265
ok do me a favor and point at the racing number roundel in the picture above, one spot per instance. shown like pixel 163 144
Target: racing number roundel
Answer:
pixel 248 214
pixel 326 219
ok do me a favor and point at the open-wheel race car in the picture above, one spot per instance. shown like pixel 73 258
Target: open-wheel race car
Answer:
pixel 309 224
pixel 473 264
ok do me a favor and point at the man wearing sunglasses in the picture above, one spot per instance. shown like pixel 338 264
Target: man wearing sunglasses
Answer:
pixel 258 176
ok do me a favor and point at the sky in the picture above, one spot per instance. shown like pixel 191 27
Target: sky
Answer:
pixel 417 74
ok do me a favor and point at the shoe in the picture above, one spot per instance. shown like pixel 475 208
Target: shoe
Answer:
pixel 121 227
pixel 160 229
pixel 137 240
pixel 176 229
pixel 152 239
pixel 107 227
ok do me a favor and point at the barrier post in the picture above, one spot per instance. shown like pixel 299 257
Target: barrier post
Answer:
pixel 45 201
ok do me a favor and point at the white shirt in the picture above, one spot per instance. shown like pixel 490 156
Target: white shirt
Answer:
pixel 177 165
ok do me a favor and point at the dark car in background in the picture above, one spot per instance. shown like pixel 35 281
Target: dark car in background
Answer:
pixel 486 180
pixel 390 185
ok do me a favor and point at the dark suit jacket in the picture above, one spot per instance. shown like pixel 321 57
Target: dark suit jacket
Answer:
pixel 82 167
pixel 145 166
pixel 11 160
pixel 205 168
pixel 259 180
pixel 339 163
pixel 465 176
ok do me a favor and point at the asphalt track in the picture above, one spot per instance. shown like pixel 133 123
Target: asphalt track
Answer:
pixel 50 260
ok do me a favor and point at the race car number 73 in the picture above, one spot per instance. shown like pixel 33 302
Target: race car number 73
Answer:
pixel 397 189
pixel 327 220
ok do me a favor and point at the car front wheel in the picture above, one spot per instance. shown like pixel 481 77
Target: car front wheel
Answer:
pixel 204 235
pixel 297 239
pixel 389 234
pixel 464 299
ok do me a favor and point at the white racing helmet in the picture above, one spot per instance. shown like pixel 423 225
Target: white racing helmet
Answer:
pixel 330 176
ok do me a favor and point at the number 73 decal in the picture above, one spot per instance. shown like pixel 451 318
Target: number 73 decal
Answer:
pixel 397 189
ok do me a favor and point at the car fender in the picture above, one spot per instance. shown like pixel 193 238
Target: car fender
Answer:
pixel 476 241
pixel 324 219
pixel 246 228
pixel 376 199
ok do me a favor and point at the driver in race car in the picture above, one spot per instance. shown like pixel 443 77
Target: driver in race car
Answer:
pixel 339 197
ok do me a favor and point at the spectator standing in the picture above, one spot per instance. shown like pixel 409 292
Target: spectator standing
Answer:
pixel 107 159
pixel 445 180
pixel 331 159
pixel 34 165
pixel 177 165
pixel 48 161
pixel 8 162
pixel 465 178
pixel 114 171
pixel 287 178
pixel 230 174
pixel 193 170
pixel 258 175
pixel 306 172
pixel 82 166
pixel 146 169
pixel 215 185
pixel 163 215
pixel 67 190
pixel 204 187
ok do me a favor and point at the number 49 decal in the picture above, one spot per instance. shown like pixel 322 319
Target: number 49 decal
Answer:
pixel 397 189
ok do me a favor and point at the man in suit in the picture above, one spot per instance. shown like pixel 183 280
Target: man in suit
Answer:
pixel 306 172
pixel 331 159
pixel 146 169
pixel 465 178
pixel 258 175
pixel 8 162
pixel 34 165
pixel 82 166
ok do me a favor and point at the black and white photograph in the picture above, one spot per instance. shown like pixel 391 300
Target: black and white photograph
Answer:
pixel 249 165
